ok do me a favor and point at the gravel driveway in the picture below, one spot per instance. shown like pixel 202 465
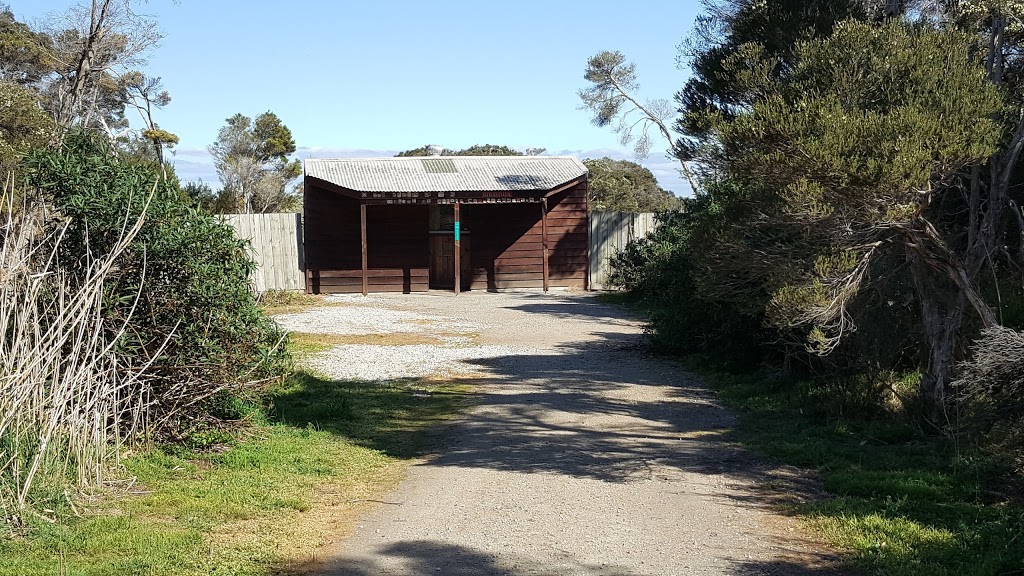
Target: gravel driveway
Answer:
pixel 583 455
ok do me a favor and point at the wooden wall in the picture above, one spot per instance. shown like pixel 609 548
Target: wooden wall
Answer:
pixel 506 248
pixel 398 244
pixel 568 238
pixel 396 237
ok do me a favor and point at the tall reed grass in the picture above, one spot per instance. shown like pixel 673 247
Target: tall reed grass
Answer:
pixel 66 401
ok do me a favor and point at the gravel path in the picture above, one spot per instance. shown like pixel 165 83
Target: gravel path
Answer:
pixel 583 455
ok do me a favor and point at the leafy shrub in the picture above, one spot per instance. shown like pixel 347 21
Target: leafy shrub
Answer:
pixel 182 285
pixel 659 271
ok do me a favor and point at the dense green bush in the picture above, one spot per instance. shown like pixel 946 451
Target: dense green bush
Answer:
pixel 183 285
pixel 660 272
pixel 675 273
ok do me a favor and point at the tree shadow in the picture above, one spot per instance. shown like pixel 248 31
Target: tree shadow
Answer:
pixel 824 566
pixel 427 557
pixel 587 307
pixel 401 418
pixel 609 410
pixel 423 557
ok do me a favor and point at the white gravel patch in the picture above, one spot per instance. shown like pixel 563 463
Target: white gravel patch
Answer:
pixel 380 363
pixel 355 299
pixel 370 317
pixel 454 354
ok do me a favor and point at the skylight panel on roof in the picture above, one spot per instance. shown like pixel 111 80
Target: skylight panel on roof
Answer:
pixel 439 166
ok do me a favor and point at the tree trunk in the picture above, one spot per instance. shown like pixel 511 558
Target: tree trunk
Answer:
pixel 941 319
pixel 83 70
pixel 941 328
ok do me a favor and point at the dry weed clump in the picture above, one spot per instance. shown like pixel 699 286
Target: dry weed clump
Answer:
pixel 126 312
pixel 66 401
pixel 991 388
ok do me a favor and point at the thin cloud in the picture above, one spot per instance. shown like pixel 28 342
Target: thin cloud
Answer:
pixel 315 152
pixel 191 152
pixel 666 170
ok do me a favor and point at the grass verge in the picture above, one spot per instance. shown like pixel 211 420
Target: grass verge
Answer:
pixel 252 504
pixel 275 302
pixel 904 502
pixel 312 343
pixel 623 299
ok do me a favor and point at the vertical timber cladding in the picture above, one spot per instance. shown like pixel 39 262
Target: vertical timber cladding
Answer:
pixel 507 249
pixel 396 238
pixel 568 237
pixel 501 205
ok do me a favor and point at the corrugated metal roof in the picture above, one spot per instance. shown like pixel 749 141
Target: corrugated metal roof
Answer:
pixel 447 173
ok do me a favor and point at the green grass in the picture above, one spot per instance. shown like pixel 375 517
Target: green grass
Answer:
pixel 275 302
pixel 288 298
pixel 904 502
pixel 623 299
pixel 264 501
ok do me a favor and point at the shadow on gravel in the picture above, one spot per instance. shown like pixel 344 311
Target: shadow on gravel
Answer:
pixel 608 410
pixel 588 307
pixel 425 557
pixel 419 558
pixel 826 567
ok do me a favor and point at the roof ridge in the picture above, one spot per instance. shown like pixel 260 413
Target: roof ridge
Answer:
pixel 410 158
pixel 473 173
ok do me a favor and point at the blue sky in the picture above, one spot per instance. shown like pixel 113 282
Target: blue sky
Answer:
pixel 363 78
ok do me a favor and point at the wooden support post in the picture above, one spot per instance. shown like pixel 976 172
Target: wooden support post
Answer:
pixel 362 233
pixel 544 237
pixel 458 251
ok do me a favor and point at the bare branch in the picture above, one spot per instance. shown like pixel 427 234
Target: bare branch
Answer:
pixel 611 96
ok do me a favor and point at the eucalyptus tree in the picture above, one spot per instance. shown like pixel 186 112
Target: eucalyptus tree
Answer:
pixel 81 67
pixel 251 157
pixel 843 144
pixel 624 186
pixel 612 100
pixel 95 46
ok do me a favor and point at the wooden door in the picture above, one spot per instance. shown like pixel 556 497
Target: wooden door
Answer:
pixel 442 261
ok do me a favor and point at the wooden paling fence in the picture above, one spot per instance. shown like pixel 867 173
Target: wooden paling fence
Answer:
pixel 277 248
pixel 609 233
pixel 277 245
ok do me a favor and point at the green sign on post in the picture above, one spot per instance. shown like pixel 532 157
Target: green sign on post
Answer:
pixel 457 230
